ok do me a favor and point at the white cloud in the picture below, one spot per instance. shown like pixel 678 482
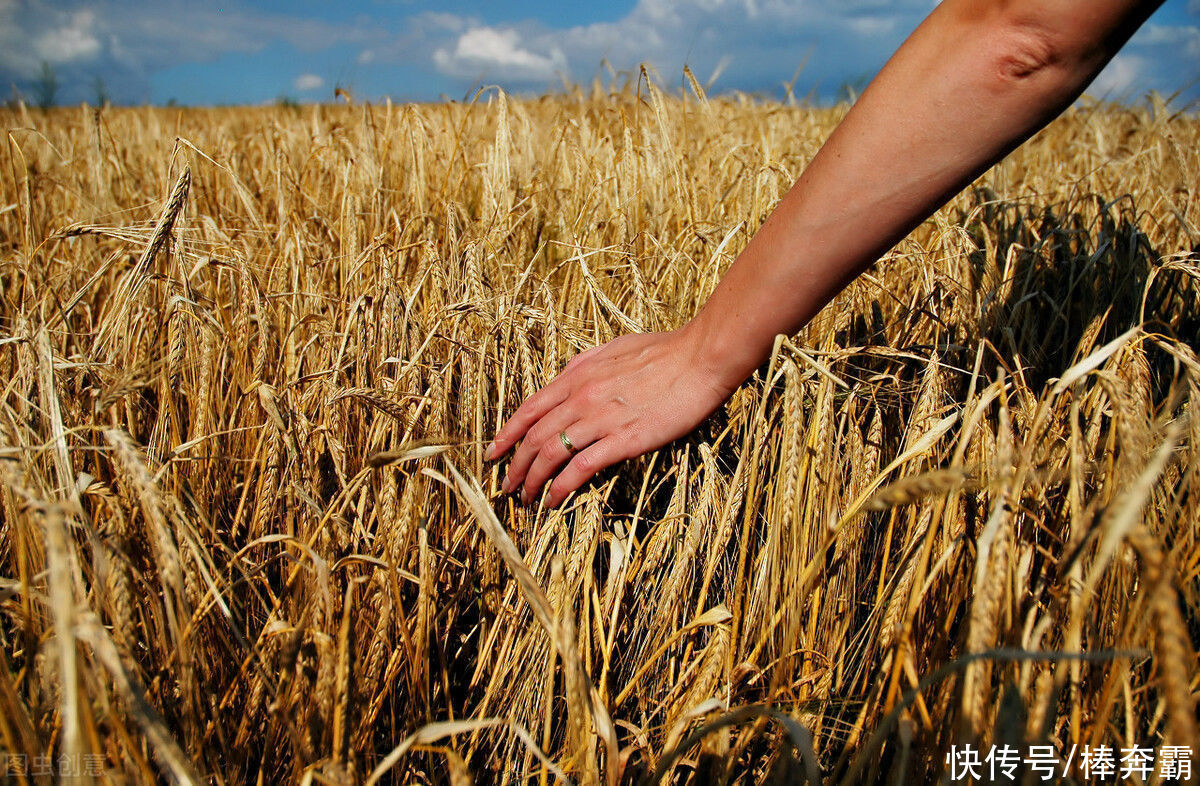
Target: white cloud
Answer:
pixel 1184 39
pixel 872 25
pixel 125 41
pixel 306 82
pixel 443 20
pixel 845 42
pixel 71 41
pixel 1161 57
pixel 765 38
pixel 498 54
pixel 1119 77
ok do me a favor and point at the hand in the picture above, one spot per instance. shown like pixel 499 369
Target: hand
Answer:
pixel 617 401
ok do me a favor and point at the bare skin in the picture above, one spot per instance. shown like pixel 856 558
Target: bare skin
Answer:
pixel 974 80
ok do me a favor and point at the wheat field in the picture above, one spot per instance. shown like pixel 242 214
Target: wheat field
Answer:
pixel 251 357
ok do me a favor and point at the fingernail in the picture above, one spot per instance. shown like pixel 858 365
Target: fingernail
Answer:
pixel 524 496
pixel 504 487
pixel 490 452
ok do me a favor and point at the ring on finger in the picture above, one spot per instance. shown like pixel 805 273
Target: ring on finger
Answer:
pixel 566 441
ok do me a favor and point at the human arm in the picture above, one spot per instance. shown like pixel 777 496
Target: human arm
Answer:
pixel 975 79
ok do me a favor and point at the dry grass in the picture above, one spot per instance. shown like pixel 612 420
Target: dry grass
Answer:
pixel 250 359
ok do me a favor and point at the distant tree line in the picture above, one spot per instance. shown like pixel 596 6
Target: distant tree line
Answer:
pixel 45 86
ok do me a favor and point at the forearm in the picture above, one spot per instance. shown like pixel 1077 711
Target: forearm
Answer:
pixel 976 79
pixel 973 81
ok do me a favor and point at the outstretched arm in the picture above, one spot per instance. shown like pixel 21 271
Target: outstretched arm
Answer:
pixel 976 79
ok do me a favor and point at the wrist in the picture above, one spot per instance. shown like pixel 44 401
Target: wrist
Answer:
pixel 718 352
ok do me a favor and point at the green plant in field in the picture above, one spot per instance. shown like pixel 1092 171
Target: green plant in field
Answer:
pixel 45 85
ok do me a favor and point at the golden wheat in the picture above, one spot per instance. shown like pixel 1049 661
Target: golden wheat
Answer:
pixel 251 358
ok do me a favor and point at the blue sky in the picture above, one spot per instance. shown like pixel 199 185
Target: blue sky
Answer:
pixel 251 51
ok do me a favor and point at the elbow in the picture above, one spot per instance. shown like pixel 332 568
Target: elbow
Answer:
pixel 1025 40
pixel 1025 50
pixel 1061 51
pixel 1032 55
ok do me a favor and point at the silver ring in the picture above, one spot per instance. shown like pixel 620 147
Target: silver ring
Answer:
pixel 567 443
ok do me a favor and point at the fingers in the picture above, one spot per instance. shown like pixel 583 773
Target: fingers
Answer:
pixel 553 454
pixel 529 413
pixel 542 436
pixel 585 464
pixel 537 425
pixel 534 408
